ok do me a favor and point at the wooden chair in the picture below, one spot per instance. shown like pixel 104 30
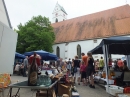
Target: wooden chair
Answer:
pixel 4 82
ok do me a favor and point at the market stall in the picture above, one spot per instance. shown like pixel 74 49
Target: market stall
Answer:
pixel 112 45
pixel 49 81
pixel 19 56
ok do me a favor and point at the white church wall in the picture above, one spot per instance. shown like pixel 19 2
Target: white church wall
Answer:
pixel 71 48
pixel 8 40
pixel 62 49
pixel 3 17
pixel 85 47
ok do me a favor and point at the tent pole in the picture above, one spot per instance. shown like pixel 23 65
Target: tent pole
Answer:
pixel 127 60
pixel 105 60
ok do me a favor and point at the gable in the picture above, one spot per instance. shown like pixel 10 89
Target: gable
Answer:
pixel 59 8
pixel 112 22
pixel 4 18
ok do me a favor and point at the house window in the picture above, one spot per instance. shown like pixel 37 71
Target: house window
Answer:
pixel 56 20
pixel 95 40
pixel 58 52
pixel 79 51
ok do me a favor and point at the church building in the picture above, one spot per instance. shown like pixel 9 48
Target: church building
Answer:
pixel 81 34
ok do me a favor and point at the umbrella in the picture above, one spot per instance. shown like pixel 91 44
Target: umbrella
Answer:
pixel 19 56
pixel 44 55
pixel 39 52
pixel 52 56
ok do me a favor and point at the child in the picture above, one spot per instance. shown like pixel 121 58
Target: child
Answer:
pixel 67 76
pixel 72 70
pixel 68 66
pixel 83 72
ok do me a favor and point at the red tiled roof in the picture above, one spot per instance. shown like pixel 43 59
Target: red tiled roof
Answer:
pixel 112 22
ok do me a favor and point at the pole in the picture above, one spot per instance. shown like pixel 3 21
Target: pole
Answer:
pixel 128 61
pixel 105 52
pixel 105 61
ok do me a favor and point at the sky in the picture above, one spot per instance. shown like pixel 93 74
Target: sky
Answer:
pixel 20 11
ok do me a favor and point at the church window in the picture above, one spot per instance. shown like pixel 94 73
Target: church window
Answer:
pixel 56 14
pixel 58 52
pixel 79 51
pixel 56 20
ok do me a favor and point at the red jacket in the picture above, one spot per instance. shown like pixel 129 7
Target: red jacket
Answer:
pixel 38 59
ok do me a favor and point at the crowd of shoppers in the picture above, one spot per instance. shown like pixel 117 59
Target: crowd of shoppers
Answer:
pixel 81 70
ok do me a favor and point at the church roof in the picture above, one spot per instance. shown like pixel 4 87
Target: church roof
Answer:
pixel 112 22
pixel 62 9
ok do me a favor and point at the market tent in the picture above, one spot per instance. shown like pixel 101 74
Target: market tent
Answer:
pixel 112 45
pixel 115 45
pixel 52 56
pixel 19 56
pixel 45 55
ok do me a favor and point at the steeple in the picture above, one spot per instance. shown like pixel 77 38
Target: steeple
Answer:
pixel 59 14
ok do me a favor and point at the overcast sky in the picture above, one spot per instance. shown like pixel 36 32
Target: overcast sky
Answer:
pixel 20 11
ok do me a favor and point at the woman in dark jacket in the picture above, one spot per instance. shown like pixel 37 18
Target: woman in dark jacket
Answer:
pixel 90 69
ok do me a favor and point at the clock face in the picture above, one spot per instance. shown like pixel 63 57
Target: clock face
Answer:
pixel 56 14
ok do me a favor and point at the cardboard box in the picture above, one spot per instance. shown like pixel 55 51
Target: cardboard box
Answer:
pixel 65 95
pixel 63 89
pixel 43 93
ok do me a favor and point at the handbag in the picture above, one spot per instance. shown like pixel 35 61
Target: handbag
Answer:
pixel 75 69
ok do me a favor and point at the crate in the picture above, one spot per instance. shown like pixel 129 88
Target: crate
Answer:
pixel 113 89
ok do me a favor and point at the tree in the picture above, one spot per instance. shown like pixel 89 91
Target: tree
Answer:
pixel 36 34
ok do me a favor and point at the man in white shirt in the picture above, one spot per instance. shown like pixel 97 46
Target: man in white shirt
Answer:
pixel 17 68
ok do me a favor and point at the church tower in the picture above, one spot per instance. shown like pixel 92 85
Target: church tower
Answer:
pixel 59 14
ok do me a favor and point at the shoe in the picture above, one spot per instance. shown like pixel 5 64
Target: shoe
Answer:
pixel 78 83
pixel 91 86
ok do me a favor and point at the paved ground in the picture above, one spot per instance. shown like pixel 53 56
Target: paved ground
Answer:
pixel 84 91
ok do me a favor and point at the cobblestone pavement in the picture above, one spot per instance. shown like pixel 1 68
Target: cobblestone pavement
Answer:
pixel 84 91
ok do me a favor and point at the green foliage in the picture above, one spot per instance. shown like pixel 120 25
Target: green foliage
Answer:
pixel 36 34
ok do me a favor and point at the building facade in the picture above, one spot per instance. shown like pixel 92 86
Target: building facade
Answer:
pixel 82 34
pixel 8 41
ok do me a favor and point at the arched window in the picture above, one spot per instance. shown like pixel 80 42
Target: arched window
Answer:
pixel 79 51
pixel 58 52
pixel 56 20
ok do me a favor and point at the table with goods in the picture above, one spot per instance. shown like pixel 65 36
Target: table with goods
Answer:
pixel 50 83
pixel 112 87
